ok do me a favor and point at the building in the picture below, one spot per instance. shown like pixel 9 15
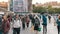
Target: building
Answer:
pixel 54 4
pixel 21 5
pixel 25 2
pixel 18 6
pixel 10 7
pixel 4 11
pixel 38 4
pixel 30 5
pixel 4 5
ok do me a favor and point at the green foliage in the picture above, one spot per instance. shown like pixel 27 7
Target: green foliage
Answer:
pixel 50 10
pixel 39 9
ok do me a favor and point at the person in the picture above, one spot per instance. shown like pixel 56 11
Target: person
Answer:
pixel 9 18
pixel 27 21
pixel 55 17
pixel 36 24
pixel 58 24
pixel 44 23
pixel 16 25
pixel 23 22
pixel 51 27
pixel 1 25
pixel 33 20
pixel 5 25
pixel 49 16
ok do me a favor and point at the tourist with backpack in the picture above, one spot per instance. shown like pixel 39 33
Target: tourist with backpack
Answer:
pixel 36 24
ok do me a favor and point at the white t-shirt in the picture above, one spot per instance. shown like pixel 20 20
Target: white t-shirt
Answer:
pixel 17 24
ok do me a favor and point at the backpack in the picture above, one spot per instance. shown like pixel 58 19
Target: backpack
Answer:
pixel 37 22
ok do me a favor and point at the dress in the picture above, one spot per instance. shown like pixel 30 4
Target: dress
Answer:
pixel 51 29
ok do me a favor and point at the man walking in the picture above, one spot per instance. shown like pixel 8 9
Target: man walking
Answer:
pixel 44 24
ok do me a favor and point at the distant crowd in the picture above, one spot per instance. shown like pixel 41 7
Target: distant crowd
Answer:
pixel 22 20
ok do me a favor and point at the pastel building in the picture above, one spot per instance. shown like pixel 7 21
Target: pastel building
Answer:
pixel 19 5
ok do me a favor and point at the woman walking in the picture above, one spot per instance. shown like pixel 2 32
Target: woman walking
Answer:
pixel 5 25
pixel 16 25
pixel 23 22
pixel 51 28
pixel 36 24
pixel 27 21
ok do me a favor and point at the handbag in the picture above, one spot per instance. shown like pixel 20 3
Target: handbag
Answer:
pixel 39 29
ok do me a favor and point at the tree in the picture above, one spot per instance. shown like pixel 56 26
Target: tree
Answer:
pixel 48 9
pixel 33 6
pixel 39 9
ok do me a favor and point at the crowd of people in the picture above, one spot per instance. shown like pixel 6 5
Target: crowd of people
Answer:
pixel 22 20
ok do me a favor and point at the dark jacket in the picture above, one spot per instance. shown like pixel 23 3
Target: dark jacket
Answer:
pixel 58 22
pixel 33 20
pixel 23 20
pixel 44 20
pixel 0 23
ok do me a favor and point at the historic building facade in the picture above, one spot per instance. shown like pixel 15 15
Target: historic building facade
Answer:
pixel 21 5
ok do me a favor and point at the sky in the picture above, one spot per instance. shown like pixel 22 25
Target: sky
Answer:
pixel 34 1
pixel 43 1
pixel 4 0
